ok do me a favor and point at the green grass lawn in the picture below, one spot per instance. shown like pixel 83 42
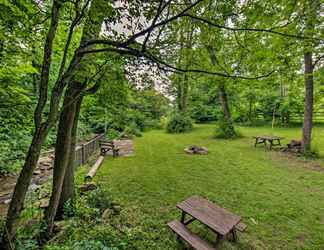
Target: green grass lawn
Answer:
pixel 280 198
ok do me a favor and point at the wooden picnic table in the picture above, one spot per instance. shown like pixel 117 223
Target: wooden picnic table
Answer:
pixel 263 139
pixel 219 220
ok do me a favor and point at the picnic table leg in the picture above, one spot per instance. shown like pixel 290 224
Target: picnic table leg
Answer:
pixel 271 144
pixel 234 235
pixel 219 238
pixel 265 143
pixel 183 217
pixel 256 142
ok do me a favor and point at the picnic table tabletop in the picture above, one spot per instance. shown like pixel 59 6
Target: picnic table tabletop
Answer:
pixel 210 214
pixel 268 137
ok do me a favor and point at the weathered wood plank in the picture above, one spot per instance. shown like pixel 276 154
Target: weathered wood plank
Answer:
pixel 241 227
pixel 192 239
pixel 215 217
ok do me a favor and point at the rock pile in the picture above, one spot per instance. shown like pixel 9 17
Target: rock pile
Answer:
pixel 293 147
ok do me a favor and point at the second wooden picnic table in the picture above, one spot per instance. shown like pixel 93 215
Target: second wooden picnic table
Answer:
pixel 263 139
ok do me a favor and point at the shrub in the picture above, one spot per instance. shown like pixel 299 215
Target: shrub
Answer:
pixel 99 199
pixel 179 123
pixel 203 113
pixel 131 130
pixel 112 134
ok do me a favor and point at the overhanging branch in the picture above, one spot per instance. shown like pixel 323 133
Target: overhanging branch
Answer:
pixel 211 23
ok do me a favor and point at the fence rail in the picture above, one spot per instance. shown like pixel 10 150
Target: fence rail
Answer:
pixel 85 150
pixel 82 151
pixel 296 117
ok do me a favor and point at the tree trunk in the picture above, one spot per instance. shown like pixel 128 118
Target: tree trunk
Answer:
pixel 62 151
pixel 18 198
pixel 68 193
pixel 183 88
pixel 308 105
pixel 67 123
pixel 311 8
pixel 226 111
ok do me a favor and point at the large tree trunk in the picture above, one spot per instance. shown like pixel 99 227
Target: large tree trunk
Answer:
pixel 311 8
pixel 230 131
pixel 62 150
pixel 226 111
pixel 308 105
pixel 64 141
pixel 68 193
pixel 183 90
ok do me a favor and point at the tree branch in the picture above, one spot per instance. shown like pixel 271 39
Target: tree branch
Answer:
pixel 211 23
pixel 47 61
pixel 320 58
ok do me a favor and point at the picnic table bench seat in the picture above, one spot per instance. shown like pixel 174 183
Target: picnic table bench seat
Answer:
pixel 192 239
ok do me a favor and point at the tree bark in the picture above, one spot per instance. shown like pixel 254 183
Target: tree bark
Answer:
pixel 183 90
pixel 308 105
pixel 226 110
pixel 62 150
pixel 68 193
pixel 18 198
pixel 311 8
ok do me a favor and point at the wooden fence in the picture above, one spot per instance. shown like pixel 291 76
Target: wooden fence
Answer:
pixel 318 117
pixel 84 151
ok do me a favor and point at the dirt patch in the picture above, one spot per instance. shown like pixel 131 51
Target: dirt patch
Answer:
pixel 297 161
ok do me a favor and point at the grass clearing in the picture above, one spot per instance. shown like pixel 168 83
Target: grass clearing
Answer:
pixel 281 199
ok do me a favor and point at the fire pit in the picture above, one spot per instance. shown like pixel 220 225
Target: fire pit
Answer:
pixel 196 150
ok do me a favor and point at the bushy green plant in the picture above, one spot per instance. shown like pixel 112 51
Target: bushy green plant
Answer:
pixel 163 122
pixel 203 113
pixel 132 130
pixel 100 199
pixel 179 123
pixel 112 134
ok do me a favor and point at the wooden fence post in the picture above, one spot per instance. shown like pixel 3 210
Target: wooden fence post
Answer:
pixel 82 154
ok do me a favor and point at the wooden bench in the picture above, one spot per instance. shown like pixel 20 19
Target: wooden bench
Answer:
pixel 263 139
pixel 106 146
pixel 192 239
pixel 219 220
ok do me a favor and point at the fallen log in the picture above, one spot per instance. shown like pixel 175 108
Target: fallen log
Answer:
pixel 94 168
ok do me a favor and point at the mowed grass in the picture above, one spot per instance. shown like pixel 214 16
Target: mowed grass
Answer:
pixel 280 198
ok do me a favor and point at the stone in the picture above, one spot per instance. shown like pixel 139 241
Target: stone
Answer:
pixel 37 172
pixel 116 209
pixel 7 201
pixel 106 214
pixel 43 203
pixel 33 187
pixel 59 226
